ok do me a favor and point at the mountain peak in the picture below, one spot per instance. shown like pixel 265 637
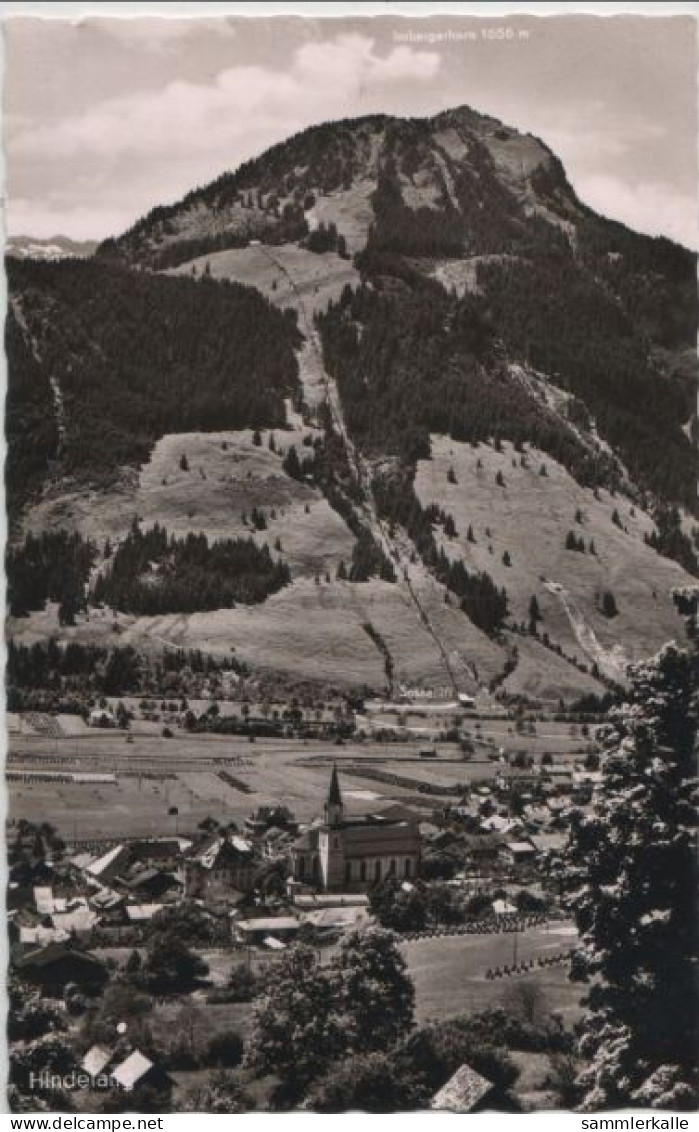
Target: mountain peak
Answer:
pixel 455 162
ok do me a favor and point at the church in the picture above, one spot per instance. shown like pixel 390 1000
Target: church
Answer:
pixel 351 854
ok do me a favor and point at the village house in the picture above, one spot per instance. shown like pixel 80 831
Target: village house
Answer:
pixel 148 882
pixel 220 864
pixel 95 1063
pixel 466 1091
pixel 55 965
pixel 138 1071
pixel 108 1069
pixel 263 928
pixel 520 852
pixel 275 843
pixel 269 817
pixel 347 854
pixel 101 717
pixel 483 848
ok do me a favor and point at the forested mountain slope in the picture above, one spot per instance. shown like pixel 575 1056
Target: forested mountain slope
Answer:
pixel 602 311
pixel 412 288
pixel 105 361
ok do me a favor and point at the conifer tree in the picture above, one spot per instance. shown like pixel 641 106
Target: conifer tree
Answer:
pixel 534 614
pixel 291 464
pixel 628 875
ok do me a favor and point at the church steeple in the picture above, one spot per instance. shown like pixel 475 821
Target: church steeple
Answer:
pixel 333 806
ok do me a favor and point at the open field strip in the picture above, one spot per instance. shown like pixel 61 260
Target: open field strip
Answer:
pixel 450 971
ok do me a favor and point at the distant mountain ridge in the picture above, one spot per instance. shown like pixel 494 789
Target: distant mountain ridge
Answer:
pixel 56 247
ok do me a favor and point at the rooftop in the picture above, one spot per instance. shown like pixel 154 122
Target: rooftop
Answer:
pixel 55 952
pixel 219 848
pixel 462 1092
pixel 138 912
pixel 96 1059
pixel 269 924
pixel 130 1072
pixel 520 847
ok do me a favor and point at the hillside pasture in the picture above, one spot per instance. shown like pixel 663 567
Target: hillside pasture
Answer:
pixel 316 631
pixel 528 517
pixel 350 210
pixel 465 646
pixel 226 475
pixel 318 278
pixel 313 630
pixel 542 675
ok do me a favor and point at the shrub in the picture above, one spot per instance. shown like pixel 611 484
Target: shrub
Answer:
pixel 609 606
pixel 225 1050
pixel 368 1082
pixel 242 984
pixel 181 1055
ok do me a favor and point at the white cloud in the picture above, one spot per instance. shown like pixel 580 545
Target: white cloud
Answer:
pixel 160 35
pixel 94 172
pixel 655 208
pixel 228 115
pixel 100 169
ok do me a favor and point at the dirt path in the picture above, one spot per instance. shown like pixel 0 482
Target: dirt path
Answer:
pixel 613 662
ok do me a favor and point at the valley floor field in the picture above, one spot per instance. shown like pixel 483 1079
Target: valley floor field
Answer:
pixel 153 775
pixel 450 971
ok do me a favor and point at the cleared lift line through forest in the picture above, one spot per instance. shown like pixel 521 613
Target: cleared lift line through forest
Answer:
pixel 377 526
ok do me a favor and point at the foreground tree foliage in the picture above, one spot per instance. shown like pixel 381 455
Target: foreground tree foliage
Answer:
pixel 342 1036
pixel 36 1032
pixel 296 1033
pixel 312 1016
pixel 170 966
pixel 376 998
pixel 222 1093
pixel 407 1075
pixel 629 877
pixel 370 1082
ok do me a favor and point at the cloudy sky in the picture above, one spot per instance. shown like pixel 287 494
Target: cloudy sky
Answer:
pixel 105 118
